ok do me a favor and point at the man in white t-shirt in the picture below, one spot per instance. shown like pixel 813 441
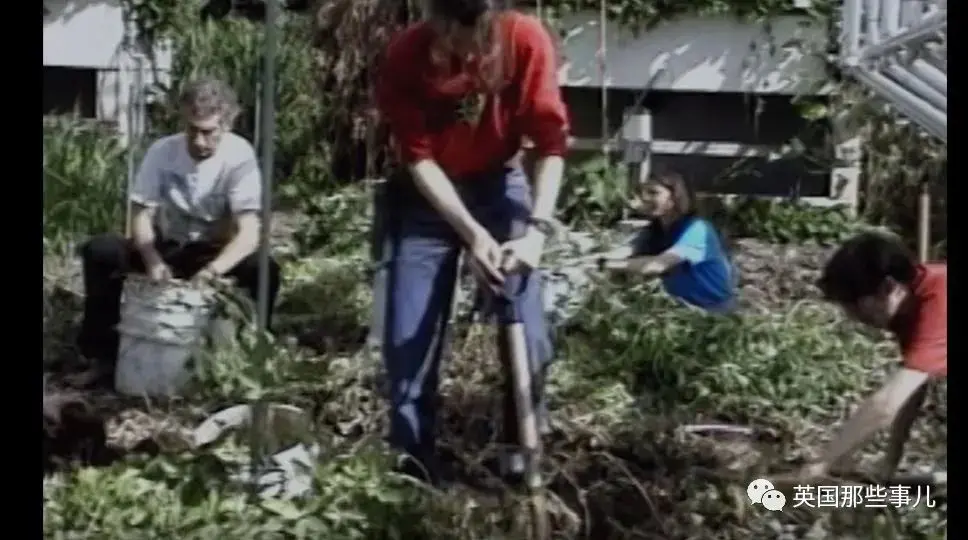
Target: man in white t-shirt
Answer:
pixel 197 200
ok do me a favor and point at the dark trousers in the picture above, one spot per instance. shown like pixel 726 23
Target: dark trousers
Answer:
pixel 106 259
pixel 421 251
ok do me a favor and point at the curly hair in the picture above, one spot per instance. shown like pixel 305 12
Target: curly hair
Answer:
pixel 208 96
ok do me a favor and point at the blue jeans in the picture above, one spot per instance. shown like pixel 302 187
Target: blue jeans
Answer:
pixel 420 251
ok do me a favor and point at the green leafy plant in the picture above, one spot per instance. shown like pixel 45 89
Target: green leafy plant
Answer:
pixel 594 193
pixel 190 496
pixel 85 175
pixel 787 221
pixel 337 223
pixel 749 366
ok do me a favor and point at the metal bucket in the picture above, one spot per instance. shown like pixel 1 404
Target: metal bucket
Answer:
pixel 161 323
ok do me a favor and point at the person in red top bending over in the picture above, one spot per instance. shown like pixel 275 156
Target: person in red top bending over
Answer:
pixel 459 92
pixel 877 282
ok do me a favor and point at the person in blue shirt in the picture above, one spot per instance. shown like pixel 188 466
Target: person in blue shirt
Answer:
pixel 684 249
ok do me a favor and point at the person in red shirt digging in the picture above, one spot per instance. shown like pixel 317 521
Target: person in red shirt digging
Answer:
pixel 877 282
pixel 459 92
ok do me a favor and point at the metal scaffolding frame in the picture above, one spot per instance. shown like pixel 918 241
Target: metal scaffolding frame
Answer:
pixel 267 138
pixel 898 49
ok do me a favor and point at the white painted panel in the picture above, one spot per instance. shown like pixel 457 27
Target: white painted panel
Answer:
pixel 89 34
pixel 699 55
pixel 83 33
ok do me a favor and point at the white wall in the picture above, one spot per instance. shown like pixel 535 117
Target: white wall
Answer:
pixel 698 54
pixel 695 55
pixel 91 34
pixel 83 33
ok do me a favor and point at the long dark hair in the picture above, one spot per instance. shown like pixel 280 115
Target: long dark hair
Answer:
pixel 480 17
pixel 659 237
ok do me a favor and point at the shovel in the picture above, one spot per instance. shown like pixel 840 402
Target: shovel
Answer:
pixel 527 421
pixel 514 344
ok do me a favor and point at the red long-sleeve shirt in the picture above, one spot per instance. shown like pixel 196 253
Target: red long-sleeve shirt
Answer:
pixel 418 101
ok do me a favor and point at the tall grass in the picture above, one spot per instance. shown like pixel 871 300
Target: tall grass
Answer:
pixel 85 176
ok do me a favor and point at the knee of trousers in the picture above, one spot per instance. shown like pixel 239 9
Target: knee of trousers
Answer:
pixel 106 250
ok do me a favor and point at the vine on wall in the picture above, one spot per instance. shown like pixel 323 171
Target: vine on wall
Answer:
pixel 155 20
pixel 645 14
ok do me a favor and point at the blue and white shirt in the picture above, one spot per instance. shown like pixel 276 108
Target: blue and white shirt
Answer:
pixel 705 277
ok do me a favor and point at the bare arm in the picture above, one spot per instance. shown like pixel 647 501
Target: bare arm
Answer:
pixel 655 266
pixel 143 234
pixel 901 432
pixel 543 113
pixel 245 203
pixel 145 196
pixel 433 183
pixel 244 243
pixel 632 245
pixel 646 265
pixel 691 247
pixel 547 185
pixel 876 413
pixel 620 253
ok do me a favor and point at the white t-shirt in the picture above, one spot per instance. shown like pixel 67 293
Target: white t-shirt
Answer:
pixel 194 198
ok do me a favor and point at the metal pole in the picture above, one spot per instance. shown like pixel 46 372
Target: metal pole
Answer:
pixel 529 436
pixel 926 30
pixel 924 221
pixel 911 82
pixel 136 128
pixel 932 120
pixel 257 124
pixel 603 70
pixel 933 76
pixel 637 153
pixel 131 161
pixel 268 125
pixel 890 17
pixel 872 20
pixel 852 27
pixel 268 140
pixel 637 136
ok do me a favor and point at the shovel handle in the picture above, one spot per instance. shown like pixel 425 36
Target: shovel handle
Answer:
pixel 522 384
